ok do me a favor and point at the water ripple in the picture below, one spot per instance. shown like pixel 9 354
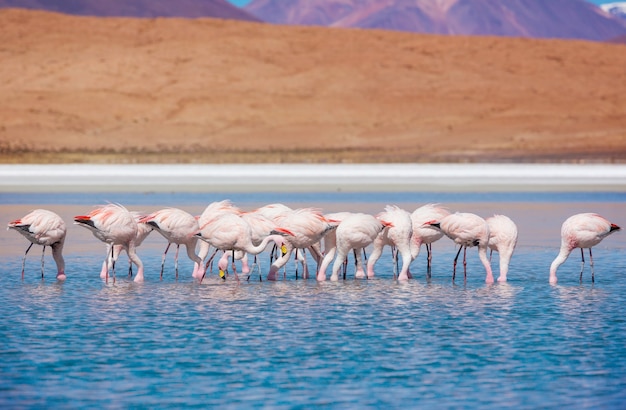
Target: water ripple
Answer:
pixel 299 344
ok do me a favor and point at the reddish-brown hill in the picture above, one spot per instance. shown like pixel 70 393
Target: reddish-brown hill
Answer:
pixel 81 88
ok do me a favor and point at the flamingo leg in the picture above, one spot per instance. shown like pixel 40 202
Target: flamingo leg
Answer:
pixel 394 255
pixel 454 266
pixel 296 263
pixel 167 248
pixel 272 253
pixel 345 267
pixel 591 264
pixel 113 263
pixel 43 253
pixel 365 259
pixel 106 276
pixel 24 258
pixel 464 263
pixel 582 263
pixel 251 269
pixel 176 260
pixel 429 259
pixel 206 266
pixel 305 266
pixel 234 267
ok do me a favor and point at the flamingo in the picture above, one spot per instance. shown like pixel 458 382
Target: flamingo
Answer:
pixel 356 231
pixel 398 236
pixel 212 211
pixel 43 227
pixel 143 230
pixel 502 238
pixel 330 244
pixel 308 226
pixel 230 232
pixel 179 227
pixel 259 225
pixel 582 231
pixel 277 212
pixel 426 234
pixel 114 225
pixel 467 230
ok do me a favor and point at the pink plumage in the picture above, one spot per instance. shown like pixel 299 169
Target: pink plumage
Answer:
pixel 398 236
pixel 467 230
pixel 502 239
pixel 45 228
pixel 582 231
pixel 355 232
pixel 114 225
pixel 179 227
pixel 426 234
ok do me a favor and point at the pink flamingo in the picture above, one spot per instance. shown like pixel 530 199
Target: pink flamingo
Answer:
pixel 426 234
pixel 277 212
pixel 308 226
pixel 212 211
pixel 260 225
pixel 356 231
pixel 143 231
pixel 330 244
pixel 582 231
pixel 179 227
pixel 467 230
pixel 114 225
pixel 230 232
pixel 398 236
pixel 502 239
pixel 43 227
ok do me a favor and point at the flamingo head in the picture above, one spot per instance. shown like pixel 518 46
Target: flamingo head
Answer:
pixel 281 232
pixel 433 223
pixel 84 220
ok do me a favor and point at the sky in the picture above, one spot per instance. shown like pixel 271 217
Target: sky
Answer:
pixel 242 3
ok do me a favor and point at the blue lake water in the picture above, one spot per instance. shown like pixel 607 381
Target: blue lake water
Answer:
pixel 302 344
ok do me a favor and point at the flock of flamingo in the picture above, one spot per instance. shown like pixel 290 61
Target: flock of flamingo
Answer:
pixel 238 234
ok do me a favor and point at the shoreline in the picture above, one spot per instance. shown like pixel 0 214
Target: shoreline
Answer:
pixel 443 177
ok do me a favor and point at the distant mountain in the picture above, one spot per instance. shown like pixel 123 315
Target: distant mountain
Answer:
pixel 619 40
pixel 615 9
pixel 136 8
pixel 576 19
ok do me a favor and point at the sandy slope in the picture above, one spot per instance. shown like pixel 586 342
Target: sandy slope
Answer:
pixel 88 89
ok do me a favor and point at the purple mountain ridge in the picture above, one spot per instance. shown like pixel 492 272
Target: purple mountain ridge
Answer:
pixel 136 8
pixel 574 19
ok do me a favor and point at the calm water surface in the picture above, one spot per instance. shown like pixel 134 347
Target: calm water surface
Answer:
pixel 301 344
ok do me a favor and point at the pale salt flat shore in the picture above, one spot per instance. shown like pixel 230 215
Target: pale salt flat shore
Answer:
pixel 312 177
